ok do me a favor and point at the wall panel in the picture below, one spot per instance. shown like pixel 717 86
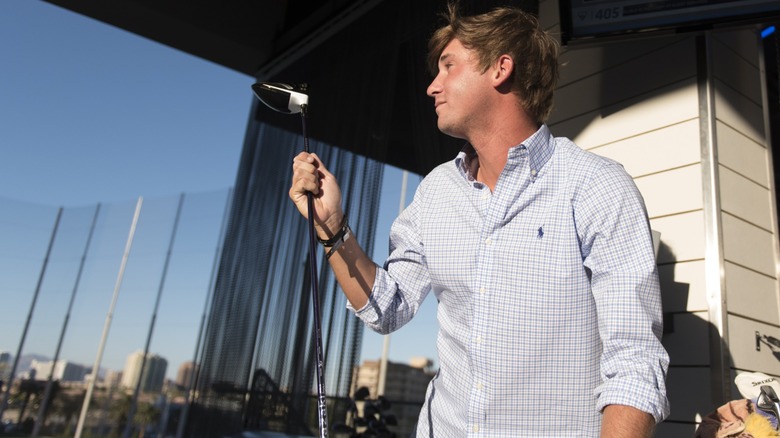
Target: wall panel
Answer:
pixel 584 61
pixel 673 191
pixel 682 286
pixel 673 429
pixel 682 235
pixel 689 391
pixel 738 112
pixel 745 199
pixel 635 77
pixel 748 245
pixel 742 154
pixel 665 148
pixel 549 17
pixel 751 294
pixel 686 339
pixel 742 343
pixel 665 107
pixel 735 64
pixel 743 42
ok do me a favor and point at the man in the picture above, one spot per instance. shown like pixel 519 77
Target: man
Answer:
pixel 539 254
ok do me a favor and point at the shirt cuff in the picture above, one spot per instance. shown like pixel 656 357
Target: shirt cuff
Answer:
pixel 639 394
pixel 369 313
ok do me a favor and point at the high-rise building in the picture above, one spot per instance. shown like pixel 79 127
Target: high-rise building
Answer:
pixel 5 366
pixel 185 374
pixel 112 378
pixel 63 370
pixel 153 376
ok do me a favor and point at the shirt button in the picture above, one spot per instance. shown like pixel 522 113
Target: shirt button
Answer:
pixel 488 242
pixel 485 195
pixel 475 428
pixel 479 387
pixel 482 290
pixel 479 339
pixel 533 172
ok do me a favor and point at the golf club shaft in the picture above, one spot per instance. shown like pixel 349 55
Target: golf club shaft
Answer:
pixel 322 413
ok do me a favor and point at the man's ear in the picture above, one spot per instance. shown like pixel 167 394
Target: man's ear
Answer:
pixel 503 70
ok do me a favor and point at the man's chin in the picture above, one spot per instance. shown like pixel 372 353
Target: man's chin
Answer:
pixel 448 129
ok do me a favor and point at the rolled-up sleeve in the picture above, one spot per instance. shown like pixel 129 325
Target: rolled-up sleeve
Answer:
pixel 618 251
pixel 402 284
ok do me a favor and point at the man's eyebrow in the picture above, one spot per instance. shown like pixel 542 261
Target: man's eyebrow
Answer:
pixel 444 57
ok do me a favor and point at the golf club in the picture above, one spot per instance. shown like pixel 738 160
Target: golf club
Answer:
pixel 290 99
pixel 285 98
pixel 769 402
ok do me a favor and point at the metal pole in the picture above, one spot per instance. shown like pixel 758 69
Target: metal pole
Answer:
pixel 209 294
pixel 133 405
pixel 386 342
pixel 714 266
pixel 4 404
pixel 49 381
pixel 109 317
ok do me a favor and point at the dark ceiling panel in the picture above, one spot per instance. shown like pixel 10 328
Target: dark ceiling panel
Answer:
pixel 364 61
pixel 241 35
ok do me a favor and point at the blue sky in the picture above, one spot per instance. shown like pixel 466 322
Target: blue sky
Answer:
pixel 90 113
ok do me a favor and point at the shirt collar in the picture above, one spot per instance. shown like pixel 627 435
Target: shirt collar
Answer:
pixel 539 147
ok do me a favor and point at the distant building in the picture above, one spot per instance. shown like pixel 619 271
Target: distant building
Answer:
pixel 186 372
pixel 5 365
pixel 112 378
pixel 405 387
pixel 153 372
pixel 366 374
pixel 405 383
pixel 63 370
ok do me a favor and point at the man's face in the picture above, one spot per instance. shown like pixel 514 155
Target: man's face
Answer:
pixel 459 90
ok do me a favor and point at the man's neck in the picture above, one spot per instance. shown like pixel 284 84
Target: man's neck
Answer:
pixel 493 148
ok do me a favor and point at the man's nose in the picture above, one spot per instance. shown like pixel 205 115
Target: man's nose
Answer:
pixel 434 88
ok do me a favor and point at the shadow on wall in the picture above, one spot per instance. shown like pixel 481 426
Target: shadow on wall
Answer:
pixel 614 81
pixel 691 382
pixel 642 81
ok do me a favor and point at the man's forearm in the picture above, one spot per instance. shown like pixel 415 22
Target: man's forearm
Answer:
pixel 355 272
pixel 626 422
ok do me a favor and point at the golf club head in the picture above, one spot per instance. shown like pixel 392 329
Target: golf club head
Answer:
pixel 281 97
pixel 769 402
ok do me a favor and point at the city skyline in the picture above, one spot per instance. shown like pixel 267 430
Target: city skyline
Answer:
pixel 36 359
pixel 161 284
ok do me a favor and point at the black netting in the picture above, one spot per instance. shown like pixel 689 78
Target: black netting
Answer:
pixel 258 356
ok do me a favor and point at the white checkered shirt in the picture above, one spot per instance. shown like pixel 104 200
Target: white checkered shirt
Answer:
pixel 549 303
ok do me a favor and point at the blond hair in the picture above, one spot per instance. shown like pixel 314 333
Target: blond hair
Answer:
pixel 506 31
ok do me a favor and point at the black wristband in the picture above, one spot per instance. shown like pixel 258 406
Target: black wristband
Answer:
pixel 338 236
pixel 344 236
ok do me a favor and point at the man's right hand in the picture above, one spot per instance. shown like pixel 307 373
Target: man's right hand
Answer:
pixel 354 271
pixel 311 176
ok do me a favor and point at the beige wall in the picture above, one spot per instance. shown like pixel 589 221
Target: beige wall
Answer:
pixel 638 102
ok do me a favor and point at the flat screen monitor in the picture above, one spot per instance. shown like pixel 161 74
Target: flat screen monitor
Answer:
pixel 594 20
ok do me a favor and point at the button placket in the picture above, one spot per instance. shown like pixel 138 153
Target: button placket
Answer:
pixel 482 310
